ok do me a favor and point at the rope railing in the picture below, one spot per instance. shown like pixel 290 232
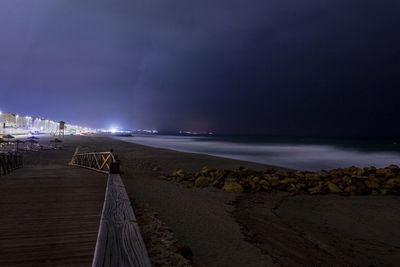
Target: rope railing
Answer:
pixel 9 162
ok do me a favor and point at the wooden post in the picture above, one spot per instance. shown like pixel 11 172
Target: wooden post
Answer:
pixel 119 242
pixel 9 162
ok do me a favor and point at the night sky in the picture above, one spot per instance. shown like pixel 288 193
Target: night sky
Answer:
pixel 312 67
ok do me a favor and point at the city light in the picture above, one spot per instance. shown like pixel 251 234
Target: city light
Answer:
pixel 15 124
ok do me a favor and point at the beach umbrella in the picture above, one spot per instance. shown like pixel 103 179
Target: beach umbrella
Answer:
pixel 9 136
pixel 33 138
pixel 31 142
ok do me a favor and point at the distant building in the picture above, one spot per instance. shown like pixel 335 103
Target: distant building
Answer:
pixel 9 120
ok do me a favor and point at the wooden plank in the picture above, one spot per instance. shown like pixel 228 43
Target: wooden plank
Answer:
pixel 50 216
pixel 119 242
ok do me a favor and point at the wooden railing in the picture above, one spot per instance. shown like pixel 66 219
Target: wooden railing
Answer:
pixel 97 161
pixel 9 162
pixel 119 242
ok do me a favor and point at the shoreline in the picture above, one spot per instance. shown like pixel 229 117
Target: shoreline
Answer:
pixel 226 229
pixel 281 154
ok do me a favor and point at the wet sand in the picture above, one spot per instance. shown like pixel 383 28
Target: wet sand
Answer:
pixel 225 229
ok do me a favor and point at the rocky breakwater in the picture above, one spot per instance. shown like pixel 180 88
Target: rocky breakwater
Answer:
pixel 344 181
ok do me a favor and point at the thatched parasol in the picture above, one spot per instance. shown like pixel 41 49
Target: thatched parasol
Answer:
pixel 9 136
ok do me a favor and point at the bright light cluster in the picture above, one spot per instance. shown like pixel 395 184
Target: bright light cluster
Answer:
pixel 16 124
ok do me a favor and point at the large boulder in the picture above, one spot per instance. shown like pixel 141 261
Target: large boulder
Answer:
pixel 380 173
pixel 288 181
pixel 254 187
pixel 178 173
pixel 389 174
pixel 318 189
pixel 264 184
pixel 370 170
pixel 372 184
pixel 322 174
pixel 347 180
pixel 206 170
pixel 272 180
pixel 333 188
pixel 202 181
pixel 312 179
pixel 282 173
pixel 394 168
pixel 392 185
pixel 372 178
pixel 298 174
pixel 350 189
pixel 232 186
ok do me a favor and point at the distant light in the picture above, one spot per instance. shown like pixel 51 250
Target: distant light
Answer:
pixel 113 130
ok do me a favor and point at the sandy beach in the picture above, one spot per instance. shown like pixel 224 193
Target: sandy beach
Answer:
pixel 226 229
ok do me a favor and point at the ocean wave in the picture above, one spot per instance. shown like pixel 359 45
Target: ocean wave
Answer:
pixel 293 156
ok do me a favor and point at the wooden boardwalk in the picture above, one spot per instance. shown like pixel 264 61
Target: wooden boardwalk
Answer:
pixel 50 216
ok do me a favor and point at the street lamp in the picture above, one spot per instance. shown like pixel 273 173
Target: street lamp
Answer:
pixel 28 122
pixel 1 122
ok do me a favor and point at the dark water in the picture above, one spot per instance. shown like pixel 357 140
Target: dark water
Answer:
pixel 290 152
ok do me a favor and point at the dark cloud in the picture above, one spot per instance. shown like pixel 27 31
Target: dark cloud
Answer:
pixel 310 67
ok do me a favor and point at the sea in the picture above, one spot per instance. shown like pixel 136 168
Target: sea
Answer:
pixel 300 153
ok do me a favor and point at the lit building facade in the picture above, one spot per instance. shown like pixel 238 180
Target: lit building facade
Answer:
pixel 14 124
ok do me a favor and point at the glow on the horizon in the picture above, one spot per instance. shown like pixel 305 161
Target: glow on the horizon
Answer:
pixel 113 130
